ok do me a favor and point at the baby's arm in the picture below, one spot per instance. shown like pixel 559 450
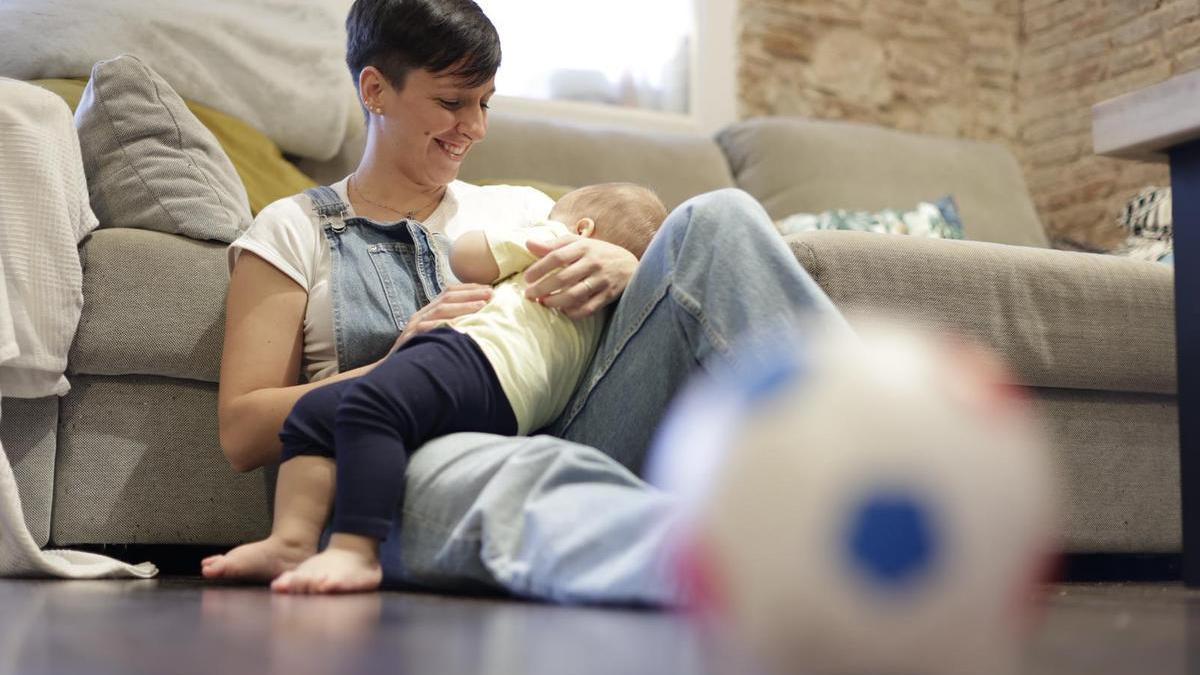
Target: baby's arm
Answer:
pixel 472 261
pixel 484 259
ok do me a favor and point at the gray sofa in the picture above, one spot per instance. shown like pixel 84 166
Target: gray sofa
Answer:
pixel 130 455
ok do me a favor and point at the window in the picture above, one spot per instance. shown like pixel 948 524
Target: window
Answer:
pixel 638 61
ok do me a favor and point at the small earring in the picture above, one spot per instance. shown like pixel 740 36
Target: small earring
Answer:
pixel 378 110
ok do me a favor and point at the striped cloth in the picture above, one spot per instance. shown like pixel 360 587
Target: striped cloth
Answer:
pixel 1147 219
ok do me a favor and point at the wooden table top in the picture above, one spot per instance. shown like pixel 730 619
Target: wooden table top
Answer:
pixel 1143 124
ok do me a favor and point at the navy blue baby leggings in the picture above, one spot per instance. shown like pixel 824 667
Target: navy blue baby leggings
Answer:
pixel 438 383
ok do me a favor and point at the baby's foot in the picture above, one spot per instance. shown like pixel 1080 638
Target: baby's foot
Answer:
pixel 334 570
pixel 258 561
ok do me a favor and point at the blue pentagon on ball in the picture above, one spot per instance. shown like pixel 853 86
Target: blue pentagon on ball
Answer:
pixel 892 540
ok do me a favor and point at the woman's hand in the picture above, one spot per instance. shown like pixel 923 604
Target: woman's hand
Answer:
pixel 454 302
pixel 578 276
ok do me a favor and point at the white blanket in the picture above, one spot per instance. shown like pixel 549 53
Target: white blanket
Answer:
pixel 44 214
pixel 279 65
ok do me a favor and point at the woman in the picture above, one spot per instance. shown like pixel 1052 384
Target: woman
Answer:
pixel 554 517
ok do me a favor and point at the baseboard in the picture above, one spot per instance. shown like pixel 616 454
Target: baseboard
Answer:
pixel 1096 567
pixel 171 559
pixel 179 559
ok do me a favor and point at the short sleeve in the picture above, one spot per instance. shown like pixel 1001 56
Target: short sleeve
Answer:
pixel 283 234
pixel 494 207
pixel 537 205
pixel 510 246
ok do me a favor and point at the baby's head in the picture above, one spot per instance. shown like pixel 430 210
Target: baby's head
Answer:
pixel 625 214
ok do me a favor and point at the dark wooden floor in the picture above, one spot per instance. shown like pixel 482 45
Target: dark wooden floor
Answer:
pixel 183 625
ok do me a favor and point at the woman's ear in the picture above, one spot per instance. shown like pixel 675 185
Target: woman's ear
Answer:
pixel 585 227
pixel 371 85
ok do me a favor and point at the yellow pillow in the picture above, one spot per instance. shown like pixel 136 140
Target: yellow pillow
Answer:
pixel 552 190
pixel 258 161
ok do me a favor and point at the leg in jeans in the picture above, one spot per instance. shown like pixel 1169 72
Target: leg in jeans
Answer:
pixel 559 520
pixel 716 269
pixel 537 517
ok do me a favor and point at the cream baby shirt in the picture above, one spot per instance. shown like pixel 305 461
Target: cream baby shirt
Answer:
pixel 538 353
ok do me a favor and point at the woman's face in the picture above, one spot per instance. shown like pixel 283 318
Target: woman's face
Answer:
pixel 429 126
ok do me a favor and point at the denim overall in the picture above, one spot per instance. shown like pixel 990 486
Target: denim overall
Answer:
pixel 381 273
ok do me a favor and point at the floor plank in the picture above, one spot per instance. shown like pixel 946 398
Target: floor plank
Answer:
pixel 178 625
pixel 185 625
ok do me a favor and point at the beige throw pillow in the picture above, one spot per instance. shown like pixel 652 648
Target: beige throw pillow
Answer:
pixel 150 163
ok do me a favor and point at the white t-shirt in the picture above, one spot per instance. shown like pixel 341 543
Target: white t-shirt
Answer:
pixel 287 235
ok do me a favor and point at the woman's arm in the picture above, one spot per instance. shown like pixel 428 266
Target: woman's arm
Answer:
pixel 264 343
pixel 260 361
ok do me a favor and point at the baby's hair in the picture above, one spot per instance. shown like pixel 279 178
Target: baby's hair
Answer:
pixel 626 214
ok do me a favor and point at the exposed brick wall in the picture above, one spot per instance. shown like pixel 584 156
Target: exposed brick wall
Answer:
pixel 1074 54
pixel 1025 72
pixel 934 66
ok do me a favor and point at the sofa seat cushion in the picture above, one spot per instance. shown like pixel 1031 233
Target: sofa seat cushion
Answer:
pixel 139 463
pixel 1060 319
pixel 797 165
pixel 154 304
pixel 1116 456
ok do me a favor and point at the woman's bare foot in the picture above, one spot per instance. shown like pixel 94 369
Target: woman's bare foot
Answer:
pixel 258 561
pixel 350 564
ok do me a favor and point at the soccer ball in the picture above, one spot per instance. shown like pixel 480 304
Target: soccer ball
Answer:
pixel 871 503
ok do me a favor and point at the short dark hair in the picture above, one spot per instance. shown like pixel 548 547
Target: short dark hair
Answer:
pixel 452 37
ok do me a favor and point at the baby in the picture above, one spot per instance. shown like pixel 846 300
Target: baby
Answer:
pixel 507 369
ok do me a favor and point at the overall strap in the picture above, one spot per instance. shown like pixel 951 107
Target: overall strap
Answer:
pixel 329 205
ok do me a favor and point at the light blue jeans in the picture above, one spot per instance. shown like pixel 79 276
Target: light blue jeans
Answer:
pixel 566 517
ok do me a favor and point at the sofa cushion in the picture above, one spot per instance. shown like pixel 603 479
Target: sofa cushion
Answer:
pixel 795 165
pixel 154 304
pixel 1059 319
pixel 264 172
pixel 139 463
pixel 1117 458
pixel 149 162
pixel 676 166
pixel 520 149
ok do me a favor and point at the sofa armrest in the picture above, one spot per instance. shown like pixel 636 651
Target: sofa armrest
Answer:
pixel 1060 319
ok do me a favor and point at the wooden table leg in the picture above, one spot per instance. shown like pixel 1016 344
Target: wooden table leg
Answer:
pixel 1185 194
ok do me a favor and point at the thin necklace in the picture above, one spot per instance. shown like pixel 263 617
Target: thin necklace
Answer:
pixel 407 214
